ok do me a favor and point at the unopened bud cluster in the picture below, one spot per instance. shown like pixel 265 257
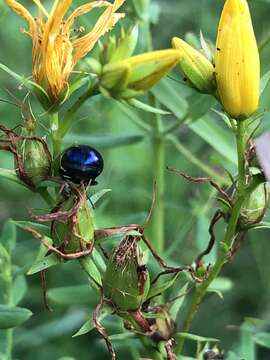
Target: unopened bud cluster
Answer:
pixel 234 75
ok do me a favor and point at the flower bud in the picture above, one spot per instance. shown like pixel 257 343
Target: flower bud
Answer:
pixel 126 281
pixel 197 69
pixel 254 207
pixel 36 161
pixel 76 232
pixel 163 324
pixel 137 74
pixel 237 61
pixel 122 48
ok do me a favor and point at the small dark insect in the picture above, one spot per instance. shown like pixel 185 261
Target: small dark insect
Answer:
pixel 218 49
pixel 81 164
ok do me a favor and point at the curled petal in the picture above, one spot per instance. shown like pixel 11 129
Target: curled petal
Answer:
pixel 105 23
pixel 24 13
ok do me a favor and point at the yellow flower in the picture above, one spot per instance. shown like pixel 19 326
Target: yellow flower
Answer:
pixel 237 61
pixel 55 52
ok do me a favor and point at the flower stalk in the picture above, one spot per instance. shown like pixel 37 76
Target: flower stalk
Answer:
pixel 243 192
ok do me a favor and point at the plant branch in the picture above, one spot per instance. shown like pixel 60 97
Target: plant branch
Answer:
pixel 243 192
pixel 195 161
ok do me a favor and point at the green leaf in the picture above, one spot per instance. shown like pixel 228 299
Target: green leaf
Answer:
pixel 199 105
pixel 42 228
pixel 56 329
pixel 12 316
pixel 122 336
pixel 45 263
pixel 264 82
pixel 196 338
pixel 247 343
pixel 11 176
pixel 163 283
pixel 214 134
pixel 262 339
pixel 19 289
pixel 145 107
pixel 171 97
pixel 8 236
pixel 89 325
pixel 98 260
pixel 73 295
pixel 104 141
pixel 178 303
pixel 30 85
pixel 92 271
pixel 97 196
pixel 221 284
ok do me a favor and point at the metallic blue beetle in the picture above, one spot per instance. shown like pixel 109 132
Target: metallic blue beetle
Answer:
pixel 81 164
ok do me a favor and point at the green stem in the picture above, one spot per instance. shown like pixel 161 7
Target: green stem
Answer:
pixel 195 161
pixel 240 139
pixel 68 118
pixel 224 252
pixel 9 301
pixel 159 152
pixel 159 211
pixel 230 234
pixel 56 139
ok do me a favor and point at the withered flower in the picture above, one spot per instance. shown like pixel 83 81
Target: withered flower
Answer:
pixel 55 53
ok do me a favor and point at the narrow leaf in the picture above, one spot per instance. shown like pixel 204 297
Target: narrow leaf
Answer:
pixel 19 289
pixel 12 316
pixel 196 338
pixel 89 325
pixel 73 295
pixel 44 264
pixel 104 141
pixel 8 237
pixel 145 107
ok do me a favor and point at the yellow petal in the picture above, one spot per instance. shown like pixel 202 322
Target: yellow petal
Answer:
pixel 21 11
pixel 106 21
pixel 237 60
pixel 147 69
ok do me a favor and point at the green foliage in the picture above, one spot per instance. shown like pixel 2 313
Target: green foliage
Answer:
pixel 199 141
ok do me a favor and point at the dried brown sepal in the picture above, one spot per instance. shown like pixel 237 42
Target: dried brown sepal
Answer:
pixel 101 330
pixel 203 180
pixel 107 232
pixel 169 349
pixel 217 216
pixel 52 249
pixel 126 281
pixel 37 165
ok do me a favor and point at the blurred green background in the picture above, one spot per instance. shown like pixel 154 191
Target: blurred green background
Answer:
pixel 129 173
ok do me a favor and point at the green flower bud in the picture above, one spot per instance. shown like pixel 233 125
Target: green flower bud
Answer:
pixel 137 74
pixel 117 50
pixel 76 233
pixel 36 161
pixel 254 207
pixel 126 281
pixel 163 323
pixel 197 69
